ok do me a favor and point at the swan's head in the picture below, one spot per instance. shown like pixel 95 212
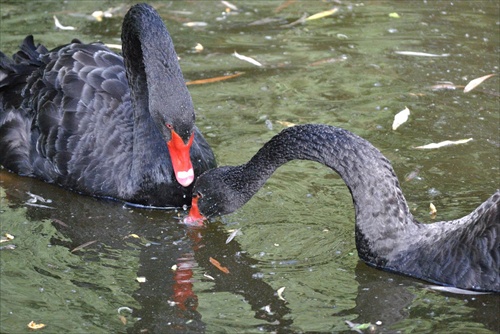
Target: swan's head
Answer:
pixel 217 192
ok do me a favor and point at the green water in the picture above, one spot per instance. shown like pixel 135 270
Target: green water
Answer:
pixel 297 232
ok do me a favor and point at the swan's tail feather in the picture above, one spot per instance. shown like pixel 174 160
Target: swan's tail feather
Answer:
pixel 15 123
pixel 15 72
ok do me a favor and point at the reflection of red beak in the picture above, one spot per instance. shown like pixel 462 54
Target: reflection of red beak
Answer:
pixel 184 296
pixel 194 218
pixel 181 160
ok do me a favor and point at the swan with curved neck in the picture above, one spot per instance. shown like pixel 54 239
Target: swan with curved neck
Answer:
pixel 101 124
pixel 463 253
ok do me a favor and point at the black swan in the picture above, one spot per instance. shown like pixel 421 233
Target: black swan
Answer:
pixel 463 253
pixel 104 125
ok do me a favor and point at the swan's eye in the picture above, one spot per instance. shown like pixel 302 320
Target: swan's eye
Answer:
pixel 198 195
pixel 169 126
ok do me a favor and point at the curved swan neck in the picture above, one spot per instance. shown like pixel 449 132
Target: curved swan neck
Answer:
pixel 155 78
pixel 462 253
pixel 366 172
pixel 159 95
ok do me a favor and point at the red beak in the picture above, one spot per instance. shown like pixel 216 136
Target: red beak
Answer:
pixel 194 217
pixel 181 160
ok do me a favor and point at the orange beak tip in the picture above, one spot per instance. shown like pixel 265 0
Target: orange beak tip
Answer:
pixel 194 218
pixel 190 221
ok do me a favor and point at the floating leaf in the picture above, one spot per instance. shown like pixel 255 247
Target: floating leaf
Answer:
pixel 83 246
pixel 8 236
pixel 248 59
pixel 450 289
pixel 215 79
pixel 421 54
pixel 39 205
pixel 141 279
pixel 433 209
pixel 99 15
pixel 195 24
pixel 209 277
pixel 60 222
pixel 125 308
pixel 122 319
pixel 476 82
pixel 444 143
pixel 285 123
pixel 198 47
pixel 229 5
pixel 232 235
pixel 280 293
pixel 394 15
pixel 218 265
pixel 60 26
pixel 113 46
pixel 400 118
pixel 320 15
pixel 35 326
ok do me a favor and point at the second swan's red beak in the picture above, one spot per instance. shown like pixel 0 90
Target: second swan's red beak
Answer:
pixel 194 217
pixel 181 159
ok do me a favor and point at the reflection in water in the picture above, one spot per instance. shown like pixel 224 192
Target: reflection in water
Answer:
pixel 167 301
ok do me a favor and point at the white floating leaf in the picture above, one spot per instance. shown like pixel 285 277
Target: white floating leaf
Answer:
pixel 421 54
pixel 458 291
pixel 433 209
pixel 248 59
pixel 476 82
pixel 124 308
pixel 195 24
pixel 400 118
pixel 280 293
pixel 114 46
pixel 209 277
pixel 322 14
pixel 229 5
pixel 444 143
pixel 60 26
pixel 232 235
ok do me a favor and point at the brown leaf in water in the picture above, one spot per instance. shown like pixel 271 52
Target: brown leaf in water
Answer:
pixel 218 265
pixel 83 246
pixel 216 79
pixel 123 319
pixel 60 222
